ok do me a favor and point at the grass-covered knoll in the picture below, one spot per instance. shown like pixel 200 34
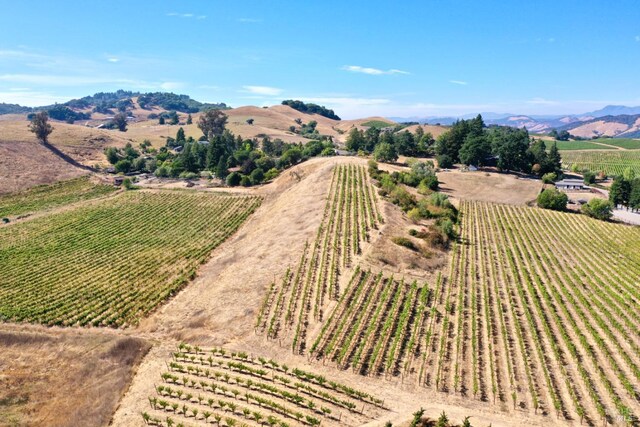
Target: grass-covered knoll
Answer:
pixel 579 145
pixel 379 124
pixel 112 262
pixel 49 196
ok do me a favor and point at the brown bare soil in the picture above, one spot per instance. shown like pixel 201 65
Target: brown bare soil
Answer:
pixel 25 164
pixel 489 187
pixel 54 377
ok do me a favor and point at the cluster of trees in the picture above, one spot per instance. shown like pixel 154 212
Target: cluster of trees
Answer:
pixel 171 101
pixel 471 143
pixel 311 108
pixel 625 190
pixel 218 153
pixel 129 159
pixel 563 135
pixel 557 201
pixel 386 146
pixel 435 205
pixel 63 113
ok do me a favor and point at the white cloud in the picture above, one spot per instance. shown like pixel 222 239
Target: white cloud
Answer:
pixel 114 60
pixel 372 71
pixel 458 82
pixel 171 85
pixel 551 40
pixel 541 101
pixel 249 20
pixel 262 90
pixel 31 98
pixel 637 38
pixel 186 15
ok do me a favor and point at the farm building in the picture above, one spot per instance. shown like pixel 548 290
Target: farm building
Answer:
pixel 571 184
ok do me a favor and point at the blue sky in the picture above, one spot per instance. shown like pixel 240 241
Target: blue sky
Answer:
pixel 402 58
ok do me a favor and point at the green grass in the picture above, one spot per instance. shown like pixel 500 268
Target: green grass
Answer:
pixel 114 261
pixel 50 196
pixel 612 162
pixel 377 124
pixel 577 145
pixel 626 143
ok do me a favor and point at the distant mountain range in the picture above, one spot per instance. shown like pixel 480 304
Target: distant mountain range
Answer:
pixel 613 120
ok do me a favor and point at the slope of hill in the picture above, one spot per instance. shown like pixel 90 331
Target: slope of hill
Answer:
pixel 622 126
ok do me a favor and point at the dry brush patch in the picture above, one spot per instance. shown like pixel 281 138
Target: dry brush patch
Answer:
pixel 64 377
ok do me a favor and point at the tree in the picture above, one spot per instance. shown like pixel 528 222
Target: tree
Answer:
pixel 620 192
pixel 189 119
pixel 634 194
pixel 552 199
pixel 180 137
pixel 161 120
pixel 120 121
pixel 40 126
pixel 599 209
pixel 385 152
pixel 475 150
pixel 112 155
pixel 212 123
pixel 589 177
pixel 355 140
pixel 257 176
pixel 173 118
pixel 444 161
pixel 628 174
pixel 554 159
pixel 233 179
pixel 123 166
pixel 249 121
pixel 511 146
pixel 549 178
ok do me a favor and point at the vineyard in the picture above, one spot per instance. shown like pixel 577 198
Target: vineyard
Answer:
pixel 612 162
pixel 545 321
pixel 380 326
pixel 302 295
pixel 112 262
pixel 50 196
pixel 232 388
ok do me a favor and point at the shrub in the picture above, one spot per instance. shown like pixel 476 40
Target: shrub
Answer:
pixel 404 242
pixel 123 166
pixel 552 199
pixel 188 175
pixel 428 185
pixel 589 177
pixel 233 179
pixel 444 161
pixel 271 174
pixel 245 181
pixel 599 209
pixel 549 178
pixel 257 176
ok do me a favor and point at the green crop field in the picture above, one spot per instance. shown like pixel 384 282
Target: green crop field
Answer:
pixel 114 261
pixel 538 312
pixel 626 143
pixel 577 145
pixel 50 196
pixel 612 162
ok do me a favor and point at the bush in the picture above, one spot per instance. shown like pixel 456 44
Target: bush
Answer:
pixel 123 166
pixel 328 151
pixel 233 179
pixel 428 184
pixel 444 161
pixel 245 181
pixel 552 199
pixel 189 175
pixel 599 209
pixel 549 178
pixel 589 177
pixel 271 174
pixel 404 242
pixel 257 176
